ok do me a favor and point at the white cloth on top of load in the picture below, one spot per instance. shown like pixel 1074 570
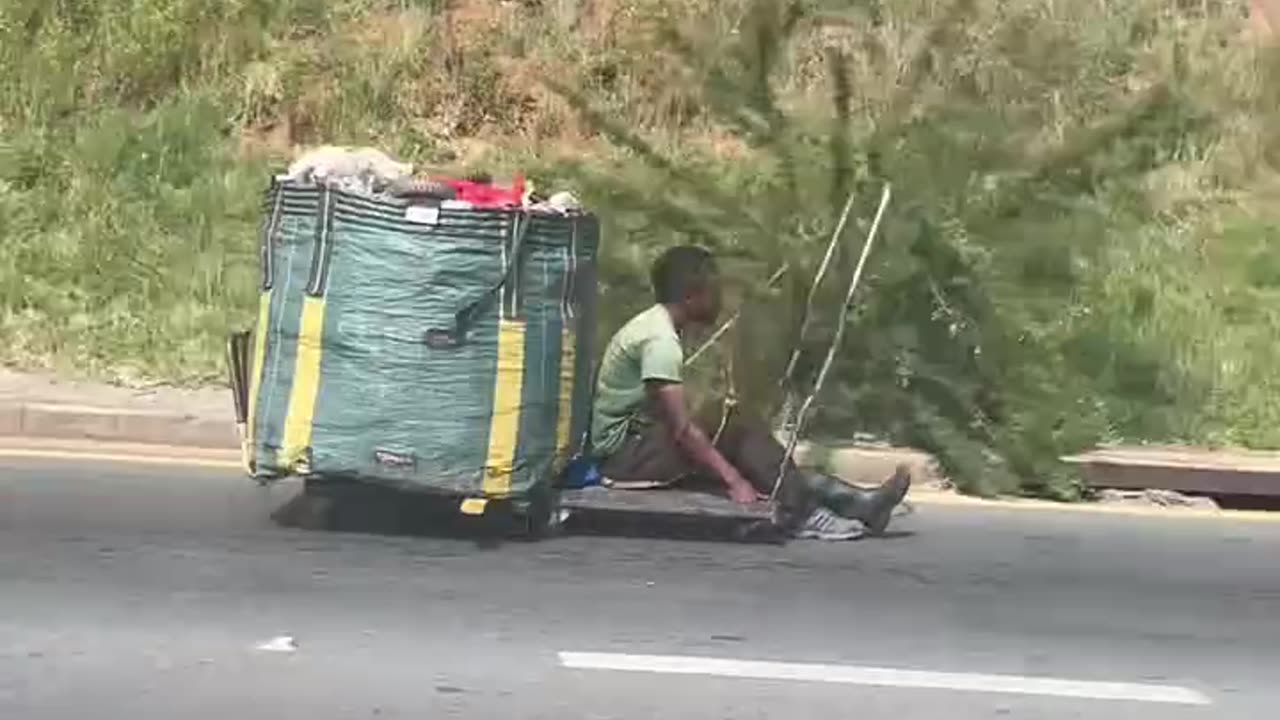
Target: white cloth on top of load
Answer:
pixel 561 203
pixel 367 171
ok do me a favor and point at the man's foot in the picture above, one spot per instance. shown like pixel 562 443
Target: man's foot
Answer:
pixel 824 524
pixel 875 507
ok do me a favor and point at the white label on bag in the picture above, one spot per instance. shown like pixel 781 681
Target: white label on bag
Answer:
pixel 423 215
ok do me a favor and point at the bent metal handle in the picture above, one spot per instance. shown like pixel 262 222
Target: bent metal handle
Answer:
pixel 836 341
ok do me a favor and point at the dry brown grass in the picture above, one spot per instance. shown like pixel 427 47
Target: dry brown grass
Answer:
pixel 156 119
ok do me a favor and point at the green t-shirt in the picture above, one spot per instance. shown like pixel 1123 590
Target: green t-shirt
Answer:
pixel 647 348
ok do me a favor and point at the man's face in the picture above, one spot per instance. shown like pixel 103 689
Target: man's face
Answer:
pixel 704 304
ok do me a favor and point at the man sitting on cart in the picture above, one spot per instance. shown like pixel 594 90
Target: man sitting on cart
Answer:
pixel 641 429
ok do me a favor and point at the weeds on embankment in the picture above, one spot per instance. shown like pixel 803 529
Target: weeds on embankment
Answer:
pixel 1078 250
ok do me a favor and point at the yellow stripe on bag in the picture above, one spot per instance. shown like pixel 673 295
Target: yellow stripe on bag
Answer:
pixel 504 427
pixel 306 384
pixel 259 361
pixel 564 420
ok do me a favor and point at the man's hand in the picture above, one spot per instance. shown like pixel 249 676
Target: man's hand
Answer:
pixel 740 491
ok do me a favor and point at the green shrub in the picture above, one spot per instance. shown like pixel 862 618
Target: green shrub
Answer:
pixel 1078 249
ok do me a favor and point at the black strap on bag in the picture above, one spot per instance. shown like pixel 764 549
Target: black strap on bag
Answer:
pixel 322 251
pixel 465 318
pixel 270 228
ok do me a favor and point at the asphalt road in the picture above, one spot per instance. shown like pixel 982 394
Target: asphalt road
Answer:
pixel 144 592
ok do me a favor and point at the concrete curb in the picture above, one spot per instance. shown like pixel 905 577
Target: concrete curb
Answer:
pixel 121 425
pixel 226 460
pixel 863 465
pixel 65 421
pixel 61 421
pixel 28 448
pixel 872 465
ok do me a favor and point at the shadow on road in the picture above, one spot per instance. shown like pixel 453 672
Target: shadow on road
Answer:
pixel 382 511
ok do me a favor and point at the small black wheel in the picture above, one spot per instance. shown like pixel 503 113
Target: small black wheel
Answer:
pixel 760 531
pixel 532 518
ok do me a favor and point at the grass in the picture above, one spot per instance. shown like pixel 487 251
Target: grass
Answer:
pixel 1080 249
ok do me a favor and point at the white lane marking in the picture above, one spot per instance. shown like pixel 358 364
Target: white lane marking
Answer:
pixel 882 677
pixel 281 644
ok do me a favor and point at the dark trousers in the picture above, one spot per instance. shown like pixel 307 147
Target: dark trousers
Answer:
pixel 652 456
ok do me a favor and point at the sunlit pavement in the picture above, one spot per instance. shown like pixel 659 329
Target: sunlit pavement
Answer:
pixel 149 591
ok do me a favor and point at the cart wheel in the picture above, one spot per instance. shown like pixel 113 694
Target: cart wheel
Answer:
pixel 760 531
pixel 312 508
pixel 528 521
pixel 487 521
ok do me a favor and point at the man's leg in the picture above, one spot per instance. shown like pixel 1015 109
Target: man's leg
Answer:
pixel 653 457
pixel 754 452
pixel 758 456
pixel 650 456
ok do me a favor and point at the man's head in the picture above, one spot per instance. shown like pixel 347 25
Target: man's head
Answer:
pixel 685 280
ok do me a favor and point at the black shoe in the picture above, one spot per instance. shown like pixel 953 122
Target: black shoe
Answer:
pixel 874 508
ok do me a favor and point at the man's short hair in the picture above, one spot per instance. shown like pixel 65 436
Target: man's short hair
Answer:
pixel 681 271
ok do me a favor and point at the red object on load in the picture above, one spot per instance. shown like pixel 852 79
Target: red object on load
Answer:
pixel 487 194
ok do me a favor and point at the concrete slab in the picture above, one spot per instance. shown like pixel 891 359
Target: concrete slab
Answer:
pixel 1188 470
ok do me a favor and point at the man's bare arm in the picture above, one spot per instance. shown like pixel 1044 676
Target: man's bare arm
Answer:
pixel 667 400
